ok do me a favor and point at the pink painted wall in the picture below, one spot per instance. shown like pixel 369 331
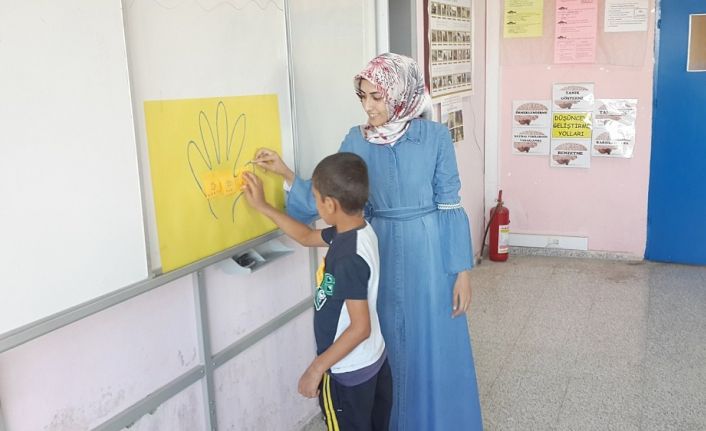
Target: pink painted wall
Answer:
pixel 608 201
pixel 470 152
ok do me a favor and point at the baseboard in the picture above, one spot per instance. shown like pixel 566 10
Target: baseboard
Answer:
pixel 548 241
pixel 588 254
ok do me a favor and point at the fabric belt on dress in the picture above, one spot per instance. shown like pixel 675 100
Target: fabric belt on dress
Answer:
pixel 402 214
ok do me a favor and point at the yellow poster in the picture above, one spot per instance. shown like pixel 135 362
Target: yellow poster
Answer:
pixel 523 18
pixel 198 149
pixel 572 125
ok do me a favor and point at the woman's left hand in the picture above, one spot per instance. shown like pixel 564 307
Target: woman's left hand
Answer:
pixel 462 293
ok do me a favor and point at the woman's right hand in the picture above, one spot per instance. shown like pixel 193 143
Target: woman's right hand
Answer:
pixel 271 161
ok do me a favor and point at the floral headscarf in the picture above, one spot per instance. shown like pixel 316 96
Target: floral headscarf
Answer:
pixel 400 80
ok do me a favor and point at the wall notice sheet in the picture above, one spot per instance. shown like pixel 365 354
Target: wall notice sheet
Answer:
pixel 626 15
pixel 614 128
pixel 573 97
pixel 572 125
pixel 575 31
pixel 531 123
pixel 450 45
pixel 523 18
pixel 451 113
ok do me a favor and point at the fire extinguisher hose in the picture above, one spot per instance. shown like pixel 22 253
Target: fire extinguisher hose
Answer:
pixel 487 228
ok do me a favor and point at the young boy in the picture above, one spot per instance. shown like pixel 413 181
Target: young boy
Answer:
pixel 350 373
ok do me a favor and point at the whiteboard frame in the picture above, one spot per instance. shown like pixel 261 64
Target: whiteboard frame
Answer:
pixel 58 320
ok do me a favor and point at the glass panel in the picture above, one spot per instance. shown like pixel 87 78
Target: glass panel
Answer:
pixel 697 44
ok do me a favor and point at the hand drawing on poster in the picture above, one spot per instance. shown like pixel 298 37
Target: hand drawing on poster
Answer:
pixel 198 150
pixel 626 15
pixel 573 97
pixel 531 123
pixel 523 18
pixel 614 128
pixel 449 45
pixel 575 31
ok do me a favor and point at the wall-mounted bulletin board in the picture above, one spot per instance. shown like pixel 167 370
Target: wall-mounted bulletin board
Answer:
pixel 126 126
pixel 617 41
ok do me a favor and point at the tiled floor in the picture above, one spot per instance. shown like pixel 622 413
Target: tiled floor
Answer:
pixel 583 344
pixel 586 344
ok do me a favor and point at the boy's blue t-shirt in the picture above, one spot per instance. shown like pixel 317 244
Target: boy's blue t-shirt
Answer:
pixel 350 271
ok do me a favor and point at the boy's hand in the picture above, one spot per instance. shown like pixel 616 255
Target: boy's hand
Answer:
pixel 309 382
pixel 252 189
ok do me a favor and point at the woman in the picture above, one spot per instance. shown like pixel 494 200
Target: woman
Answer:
pixel 425 248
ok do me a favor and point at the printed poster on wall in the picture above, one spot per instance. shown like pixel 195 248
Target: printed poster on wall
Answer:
pixel 198 151
pixel 626 15
pixel 573 97
pixel 571 139
pixel 571 125
pixel 570 153
pixel 614 128
pixel 450 47
pixel 523 18
pixel 531 123
pixel 575 31
pixel 452 114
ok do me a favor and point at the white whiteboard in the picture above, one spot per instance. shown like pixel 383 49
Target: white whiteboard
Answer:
pixel 71 224
pixel 206 48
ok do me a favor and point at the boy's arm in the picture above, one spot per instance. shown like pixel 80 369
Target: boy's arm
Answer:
pixel 356 333
pixel 301 233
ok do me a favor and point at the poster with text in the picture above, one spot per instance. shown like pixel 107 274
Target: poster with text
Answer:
pixel 531 124
pixel 571 139
pixel 570 153
pixel 575 31
pixel 573 97
pixel 614 128
pixel 530 141
pixel 534 113
pixel 572 125
pixel 198 152
pixel 452 115
pixel 523 18
pixel 626 15
pixel 449 47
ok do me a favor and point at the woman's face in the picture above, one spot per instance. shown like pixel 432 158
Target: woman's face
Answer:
pixel 373 103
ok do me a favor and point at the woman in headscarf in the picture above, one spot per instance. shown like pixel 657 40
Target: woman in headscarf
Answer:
pixel 425 246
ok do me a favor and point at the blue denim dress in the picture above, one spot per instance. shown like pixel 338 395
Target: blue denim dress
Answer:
pixel 424 240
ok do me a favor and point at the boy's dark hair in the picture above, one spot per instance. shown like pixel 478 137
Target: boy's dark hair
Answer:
pixel 344 177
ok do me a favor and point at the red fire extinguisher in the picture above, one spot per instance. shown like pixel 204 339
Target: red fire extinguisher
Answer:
pixel 499 226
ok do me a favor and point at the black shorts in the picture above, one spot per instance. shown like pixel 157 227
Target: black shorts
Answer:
pixel 364 407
